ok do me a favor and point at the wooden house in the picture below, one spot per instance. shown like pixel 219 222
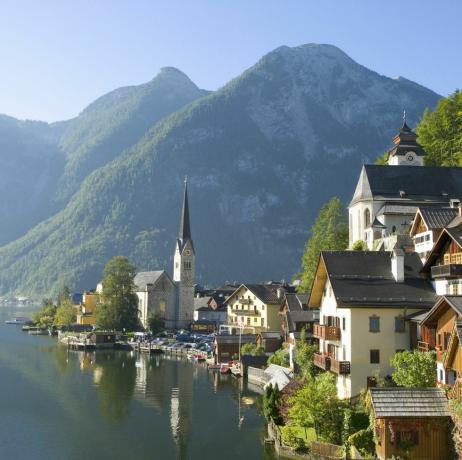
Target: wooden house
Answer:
pixel 226 346
pixel 411 423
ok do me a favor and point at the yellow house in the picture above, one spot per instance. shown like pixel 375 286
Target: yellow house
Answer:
pixel 87 309
pixel 256 306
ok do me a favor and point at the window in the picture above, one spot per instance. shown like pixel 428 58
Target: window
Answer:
pixel 255 320
pixel 187 265
pixel 367 218
pixel 162 306
pixel 343 324
pixel 374 324
pixel 371 382
pixel 375 356
pixel 400 324
pixel 262 322
pixel 408 437
pixel 248 321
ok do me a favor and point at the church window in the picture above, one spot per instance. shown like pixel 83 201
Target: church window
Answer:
pixel 187 265
pixel 367 218
pixel 393 229
pixel 162 306
pixel 359 224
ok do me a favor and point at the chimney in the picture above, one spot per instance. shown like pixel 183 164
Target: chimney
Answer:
pixel 280 292
pixel 397 264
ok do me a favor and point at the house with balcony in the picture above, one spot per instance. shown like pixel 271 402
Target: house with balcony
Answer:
pixel 256 306
pixel 364 298
pixel 429 223
pixel 441 330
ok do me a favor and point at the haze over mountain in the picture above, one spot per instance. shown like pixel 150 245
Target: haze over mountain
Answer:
pixel 262 155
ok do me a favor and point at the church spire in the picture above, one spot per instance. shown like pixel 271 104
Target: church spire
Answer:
pixel 185 226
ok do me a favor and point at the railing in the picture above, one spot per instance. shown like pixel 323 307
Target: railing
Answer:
pixel 250 311
pixel 446 270
pixel 245 301
pixel 423 346
pixel 322 360
pixel 326 332
pixel 339 367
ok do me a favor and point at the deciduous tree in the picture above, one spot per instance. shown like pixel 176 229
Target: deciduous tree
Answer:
pixel 414 369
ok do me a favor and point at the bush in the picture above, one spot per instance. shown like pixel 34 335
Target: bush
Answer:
pixel 363 440
pixel 359 245
pixel 290 438
pixel 280 357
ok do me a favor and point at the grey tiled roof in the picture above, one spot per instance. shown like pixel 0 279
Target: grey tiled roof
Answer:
pixel 437 217
pixel 409 402
pixel 245 338
pixel 364 278
pixel 144 278
pixel 297 302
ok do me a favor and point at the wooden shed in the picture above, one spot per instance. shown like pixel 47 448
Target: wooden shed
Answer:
pixel 413 423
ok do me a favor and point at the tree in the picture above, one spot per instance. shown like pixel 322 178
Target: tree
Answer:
pixel 271 399
pixel 64 295
pixel 329 233
pixel 280 357
pixel 119 304
pixel 155 323
pixel 65 313
pixel 359 245
pixel 414 369
pixel 316 405
pixel 440 132
pixel 45 317
pixel 304 353
pixel 252 349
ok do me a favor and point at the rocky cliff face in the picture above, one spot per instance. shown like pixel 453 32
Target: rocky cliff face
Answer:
pixel 262 155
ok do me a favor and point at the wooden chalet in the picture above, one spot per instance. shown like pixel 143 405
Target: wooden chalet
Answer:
pixel 411 423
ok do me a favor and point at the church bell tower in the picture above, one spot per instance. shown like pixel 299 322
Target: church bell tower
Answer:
pixel 184 269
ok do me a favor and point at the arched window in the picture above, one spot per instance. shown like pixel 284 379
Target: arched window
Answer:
pixel 367 218
pixel 393 230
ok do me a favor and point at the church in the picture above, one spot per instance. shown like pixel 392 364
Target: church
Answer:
pixel 387 197
pixel 171 300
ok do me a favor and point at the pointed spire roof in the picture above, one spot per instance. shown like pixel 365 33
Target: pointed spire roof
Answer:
pixel 185 226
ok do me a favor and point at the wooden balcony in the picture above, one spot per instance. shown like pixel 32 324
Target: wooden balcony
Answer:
pixel 446 271
pixel 322 360
pixel 423 346
pixel 339 367
pixel 248 312
pixel 326 332
pixel 245 301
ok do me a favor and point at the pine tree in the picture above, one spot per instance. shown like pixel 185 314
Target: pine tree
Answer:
pixel 329 233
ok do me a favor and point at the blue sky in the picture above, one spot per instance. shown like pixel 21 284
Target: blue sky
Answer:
pixel 58 56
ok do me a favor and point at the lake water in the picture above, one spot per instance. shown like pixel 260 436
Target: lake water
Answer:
pixel 60 404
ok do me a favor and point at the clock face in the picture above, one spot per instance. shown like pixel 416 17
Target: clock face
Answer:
pixel 410 156
pixel 187 252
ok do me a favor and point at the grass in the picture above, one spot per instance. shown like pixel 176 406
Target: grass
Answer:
pixel 299 432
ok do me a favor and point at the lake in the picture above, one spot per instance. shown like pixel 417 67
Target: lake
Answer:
pixel 65 405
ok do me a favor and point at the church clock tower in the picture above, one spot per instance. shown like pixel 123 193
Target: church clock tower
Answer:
pixel 184 261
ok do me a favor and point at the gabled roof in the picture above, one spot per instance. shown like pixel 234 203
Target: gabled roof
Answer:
pixel 142 279
pixel 409 402
pixel 434 217
pixel 267 293
pixel 297 302
pixel 421 185
pixel 454 343
pixel 302 316
pixel 447 234
pixel 443 303
pixel 231 339
pixel 365 279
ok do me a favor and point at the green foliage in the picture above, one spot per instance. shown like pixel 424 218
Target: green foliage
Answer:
pixel 155 323
pixel 304 353
pixel 414 369
pixel 252 349
pixel 280 357
pixel 316 405
pixel 292 437
pixel 440 132
pixel 271 400
pixel 382 159
pixel 65 313
pixel 119 304
pixel 45 317
pixel 329 233
pixel 363 440
pixel 64 295
pixel 359 245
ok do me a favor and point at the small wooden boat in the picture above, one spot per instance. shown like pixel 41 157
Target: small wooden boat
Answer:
pixel 18 320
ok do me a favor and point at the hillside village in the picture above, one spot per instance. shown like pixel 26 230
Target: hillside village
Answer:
pixel 370 316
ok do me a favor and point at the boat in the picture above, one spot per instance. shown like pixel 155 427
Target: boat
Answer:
pixel 38 331
pixel 225 368
pixel 18 320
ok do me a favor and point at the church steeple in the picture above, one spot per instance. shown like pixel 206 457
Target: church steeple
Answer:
pixel 185 226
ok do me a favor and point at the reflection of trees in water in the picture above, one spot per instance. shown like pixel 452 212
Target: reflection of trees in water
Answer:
pixel 116 384
pixel 61 359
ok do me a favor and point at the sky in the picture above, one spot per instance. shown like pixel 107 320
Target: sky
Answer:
pixel 58 56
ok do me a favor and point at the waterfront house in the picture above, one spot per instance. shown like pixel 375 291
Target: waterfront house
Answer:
pixel 227 346
pixel 364 297
pixel 86 314
pixel 411 423
pixel 257 306
pixel 269 341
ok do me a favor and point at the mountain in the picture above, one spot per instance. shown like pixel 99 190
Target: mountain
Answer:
pixel 262 155
pixel 44 164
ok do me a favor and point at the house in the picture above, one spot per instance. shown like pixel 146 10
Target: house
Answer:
pixel 86 314
pixel 386 198
pixel 210 312
pixel 364 297
pixel 428 224
pixel 269 341
pixel 411 423
pixel 226 346
pixel 257 306
pixel 440 332
pixel 296 316
pixel 172 300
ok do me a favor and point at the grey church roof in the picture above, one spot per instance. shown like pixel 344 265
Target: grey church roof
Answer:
pixel 409 402
pixel 408 184
pixel 364 278
pixel 144 278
